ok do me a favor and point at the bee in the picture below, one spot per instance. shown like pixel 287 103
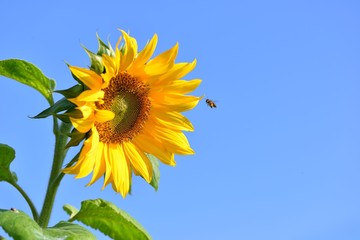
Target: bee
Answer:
pixel 210 103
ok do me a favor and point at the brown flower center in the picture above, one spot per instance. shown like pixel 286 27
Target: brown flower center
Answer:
pixel 127 98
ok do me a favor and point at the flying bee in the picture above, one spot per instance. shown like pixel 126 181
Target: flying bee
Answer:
pixel 210 103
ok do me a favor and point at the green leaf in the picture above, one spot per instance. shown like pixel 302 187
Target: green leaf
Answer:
pixel 109 219
pixel 7 155
pixel 156 172
pixel 70 210
pixel 20 226
pixel 61 105
pixel 67 230
pixel 27 73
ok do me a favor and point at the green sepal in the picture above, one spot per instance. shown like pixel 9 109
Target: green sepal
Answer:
pixel 75 138
pixel 63 117
pixel 108 218
pixel 28 74
pixel 61 105
pixel 73 160
pixel 20 226
pixel 96 62
pixel 72 92
pixel 7 155
pixel 104 49
pixel 156 172
pixel 74 113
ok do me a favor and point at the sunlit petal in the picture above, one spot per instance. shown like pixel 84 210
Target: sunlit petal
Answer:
pixel 88 77
pixel 138 160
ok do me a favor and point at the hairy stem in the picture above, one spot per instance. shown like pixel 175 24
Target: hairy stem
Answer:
pixel 59 156
pixel 58 179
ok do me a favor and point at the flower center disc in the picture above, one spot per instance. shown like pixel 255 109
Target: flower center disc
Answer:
pixel 127 98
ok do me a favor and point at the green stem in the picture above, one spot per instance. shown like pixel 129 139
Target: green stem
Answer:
pixel 59 156
pixel 28 200
pixel 58 179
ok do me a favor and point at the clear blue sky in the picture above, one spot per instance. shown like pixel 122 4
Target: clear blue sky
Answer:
pixel 278 159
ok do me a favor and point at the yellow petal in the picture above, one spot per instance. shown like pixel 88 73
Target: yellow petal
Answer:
pixel 120 169
pixel 138 160
pixel 147 52
pixel 100 164
pixel 162 63
pixel 88 155
pixel 88 77
pixel 85 163
pixel 174 141
pixel 174 102
pixel 73 169
pixel 108 169
pixel 82 125
pixel 85 123
pixel 118 58
pixel 154 147
pixel 178 86
pixel 110 68
pixel 173 120
pixel 166 57
pixel 178 71
pixel 130 51
pixel 103 115
pixel 88 96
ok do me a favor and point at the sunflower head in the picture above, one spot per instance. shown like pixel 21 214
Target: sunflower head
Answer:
pixel 126 109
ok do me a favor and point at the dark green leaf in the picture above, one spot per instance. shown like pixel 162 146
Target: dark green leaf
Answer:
pixel 20 226
pixel 110 220
pixel 7 155
pixel 61 105
pixel 27 73
pixel 156 172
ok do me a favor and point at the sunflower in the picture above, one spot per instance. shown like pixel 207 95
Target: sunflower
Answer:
pixel 130 107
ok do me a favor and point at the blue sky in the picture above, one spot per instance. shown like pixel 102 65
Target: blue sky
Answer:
pixel 278 159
